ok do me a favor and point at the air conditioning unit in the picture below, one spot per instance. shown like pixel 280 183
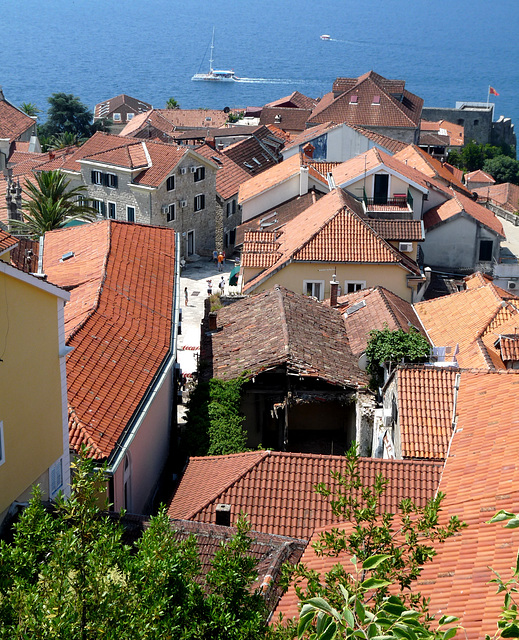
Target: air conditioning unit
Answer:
pixel 193 169
pixel 183 171
pixel 405 247
pixel 512 284
pixel 165 208
pixel 183 203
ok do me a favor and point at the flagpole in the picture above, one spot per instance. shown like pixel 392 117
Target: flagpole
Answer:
pixel 488 96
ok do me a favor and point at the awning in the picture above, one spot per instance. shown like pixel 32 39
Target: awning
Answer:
pixel 233 276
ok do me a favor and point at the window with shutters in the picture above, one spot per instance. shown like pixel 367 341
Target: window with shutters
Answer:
pixel 100 207
pixel 130 214
pixel 199 202
pixel 112 208
pixel 199 174
pixel 111 180
pixel 170 183
pixel 171 213
pixel 56 477
pixel 97 177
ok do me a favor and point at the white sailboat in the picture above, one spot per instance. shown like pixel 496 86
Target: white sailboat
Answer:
pixel 215 75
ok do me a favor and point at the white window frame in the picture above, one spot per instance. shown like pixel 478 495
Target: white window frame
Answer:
pixel 312 283
pixel 108 210
pixel 98 206
pixel 117 117
pixel 199 174
pixel 129 116
pixel 128 207
pixel 98 177
pixel 171 208
pixel 172 177
pixel 2 443
pixel 109 179
pixel 199 195
pixel 357 284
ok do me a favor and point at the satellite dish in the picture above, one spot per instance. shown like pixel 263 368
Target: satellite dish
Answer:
pixel 363 362
pixel 226 109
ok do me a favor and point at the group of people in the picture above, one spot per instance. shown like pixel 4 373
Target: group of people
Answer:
pixel 219 259
pixel 221 286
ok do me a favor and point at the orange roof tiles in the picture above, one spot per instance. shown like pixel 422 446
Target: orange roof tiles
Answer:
pixel 277 490
pixel 118 320
pixel 509 347
pixel 431 167
pixel 295 99
pixel 7 241
pixel 13 122
pixel 286 118
pixel 504 195
pixel 329 231
pixel 425 409
pixel 460 204
pixel 229 176
pixel 464 319
pixel 193 118
pixel 479 176
pixel 270 178
pixel 309 134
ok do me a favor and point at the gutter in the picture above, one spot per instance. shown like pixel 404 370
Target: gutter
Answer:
pixel 118 453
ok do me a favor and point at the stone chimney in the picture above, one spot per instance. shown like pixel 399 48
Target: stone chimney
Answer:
pixel 334 291
pixel 213 326
pixel 309 149
pixel 210 142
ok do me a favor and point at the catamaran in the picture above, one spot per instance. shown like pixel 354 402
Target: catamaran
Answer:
pixel 215 75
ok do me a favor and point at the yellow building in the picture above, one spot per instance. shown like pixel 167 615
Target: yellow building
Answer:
pixel 34 442
pixel 332 237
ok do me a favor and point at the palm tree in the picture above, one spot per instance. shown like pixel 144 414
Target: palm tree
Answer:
pixel 50 204
pixel 64 140
pixel 172 104
pixel 30 108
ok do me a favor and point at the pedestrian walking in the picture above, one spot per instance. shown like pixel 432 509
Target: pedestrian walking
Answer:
pixel 215 256
pixel 209 287
pixel 220 261
pixel 186 296
pixel 221 285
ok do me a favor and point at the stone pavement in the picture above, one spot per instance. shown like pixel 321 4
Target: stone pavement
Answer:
pixel 511 244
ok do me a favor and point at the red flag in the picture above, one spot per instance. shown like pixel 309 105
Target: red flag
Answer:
pixel 492 91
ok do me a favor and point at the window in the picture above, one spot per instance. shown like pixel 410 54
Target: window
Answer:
pixel 231 208
pixel 376 100
pixel 350 286
pixel 354 99
pixel 476 122
pixel 2 446
pixel 129 116
pixel 170 183
pixel 171 213
pixel 106 179
pixel 117 117
pixel 55 477
pixel 112 210
pixel 314 288
pixel 199 174
pixel 485 250
pixel 97 177
pixel 100 207
pixel 111 180
pixel 190 243
pixel 130 214
pixel 200 202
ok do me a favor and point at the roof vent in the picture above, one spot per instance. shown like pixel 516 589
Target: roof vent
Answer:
pixel 67 256
pixel 223 515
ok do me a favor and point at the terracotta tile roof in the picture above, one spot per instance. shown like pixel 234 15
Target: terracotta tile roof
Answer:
pixel 130 156
pixel 391 145
pixel 279 133
pixel 7 241
pixel 305 336
pixel 104 109
pixel 458 205
pixel 374 308
pixel 454 132
pixel 479 176
pixel 353 169
pixel 331 230
pixel 509 347
pixel 425 406
pixel 431 167
pixel 229 176
pixel 193 118
pixel 274 218
pixel 272 177
pixel 13 122
pixel 479 479
pixel 263 145
pixel 433 139
pixel 505 195
pixel 310 134
pixel 401 230
pixel 467 319
pixel 295 99
pixel 121 281
pixel 201 133
pixel 25 255
pixel 286 118
pixel 277 492
pixel 322 167
pixel 379 103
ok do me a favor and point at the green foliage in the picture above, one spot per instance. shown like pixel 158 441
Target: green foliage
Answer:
pixel 30 109
pixel 68 574
pixel 172 104
pixel 63 140
pixel 214 421
pixel 49 204
pixel 378 553
pixel 393 347
pixel 503 169
pixel 67 114
pixel 235 116
pixel 473 156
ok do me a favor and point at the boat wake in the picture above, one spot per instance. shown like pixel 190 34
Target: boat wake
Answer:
pixel 265 80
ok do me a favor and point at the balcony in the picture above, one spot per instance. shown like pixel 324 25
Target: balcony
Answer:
pixel 399 206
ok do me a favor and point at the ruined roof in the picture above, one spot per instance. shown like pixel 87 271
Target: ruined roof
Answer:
pixel 118 320
pixel 505 195
pixel 258 152
pixel 277 489
pixel 280 328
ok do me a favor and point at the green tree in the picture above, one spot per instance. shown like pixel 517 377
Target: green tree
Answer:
pixel 503 169
pixel 67 114
pixel 63 140
pixel 172 104
pixel 30 108
pixel 68 574
pixel 49 204
pixel 386 347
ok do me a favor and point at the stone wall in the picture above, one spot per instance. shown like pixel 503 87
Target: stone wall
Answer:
pixel 476 122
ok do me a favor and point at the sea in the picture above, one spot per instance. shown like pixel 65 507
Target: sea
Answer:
pixel 445 50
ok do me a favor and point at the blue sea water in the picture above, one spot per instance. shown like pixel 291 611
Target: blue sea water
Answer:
pixel 445 50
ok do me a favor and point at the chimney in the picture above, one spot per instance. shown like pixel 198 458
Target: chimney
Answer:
pixel 334 291
pixel 223 515
pixel 210 142
pixel 303 181
pixel 52 155
pixel 219 146
pixel 308 150
pixel 212 321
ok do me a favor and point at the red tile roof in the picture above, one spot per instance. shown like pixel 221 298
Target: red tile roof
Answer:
pixel 7 241
pixel 229 176
pixel 509 347
pixel 309 134
pixel 277 490
pixel 431 167
pixel 193 118
pixel 286 118
pixel 479 176
pixel 504 195
pixel 305 336
pixel 331 230
pixel 458 205
pixel 121 280
pixel 396 107
pixel 398 230
pixel 107 107
pixel 295 99
pixel 374 308
pixel 13 122
pixel 263 144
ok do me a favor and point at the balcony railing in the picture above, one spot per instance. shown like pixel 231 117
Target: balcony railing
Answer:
pixel 397 205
